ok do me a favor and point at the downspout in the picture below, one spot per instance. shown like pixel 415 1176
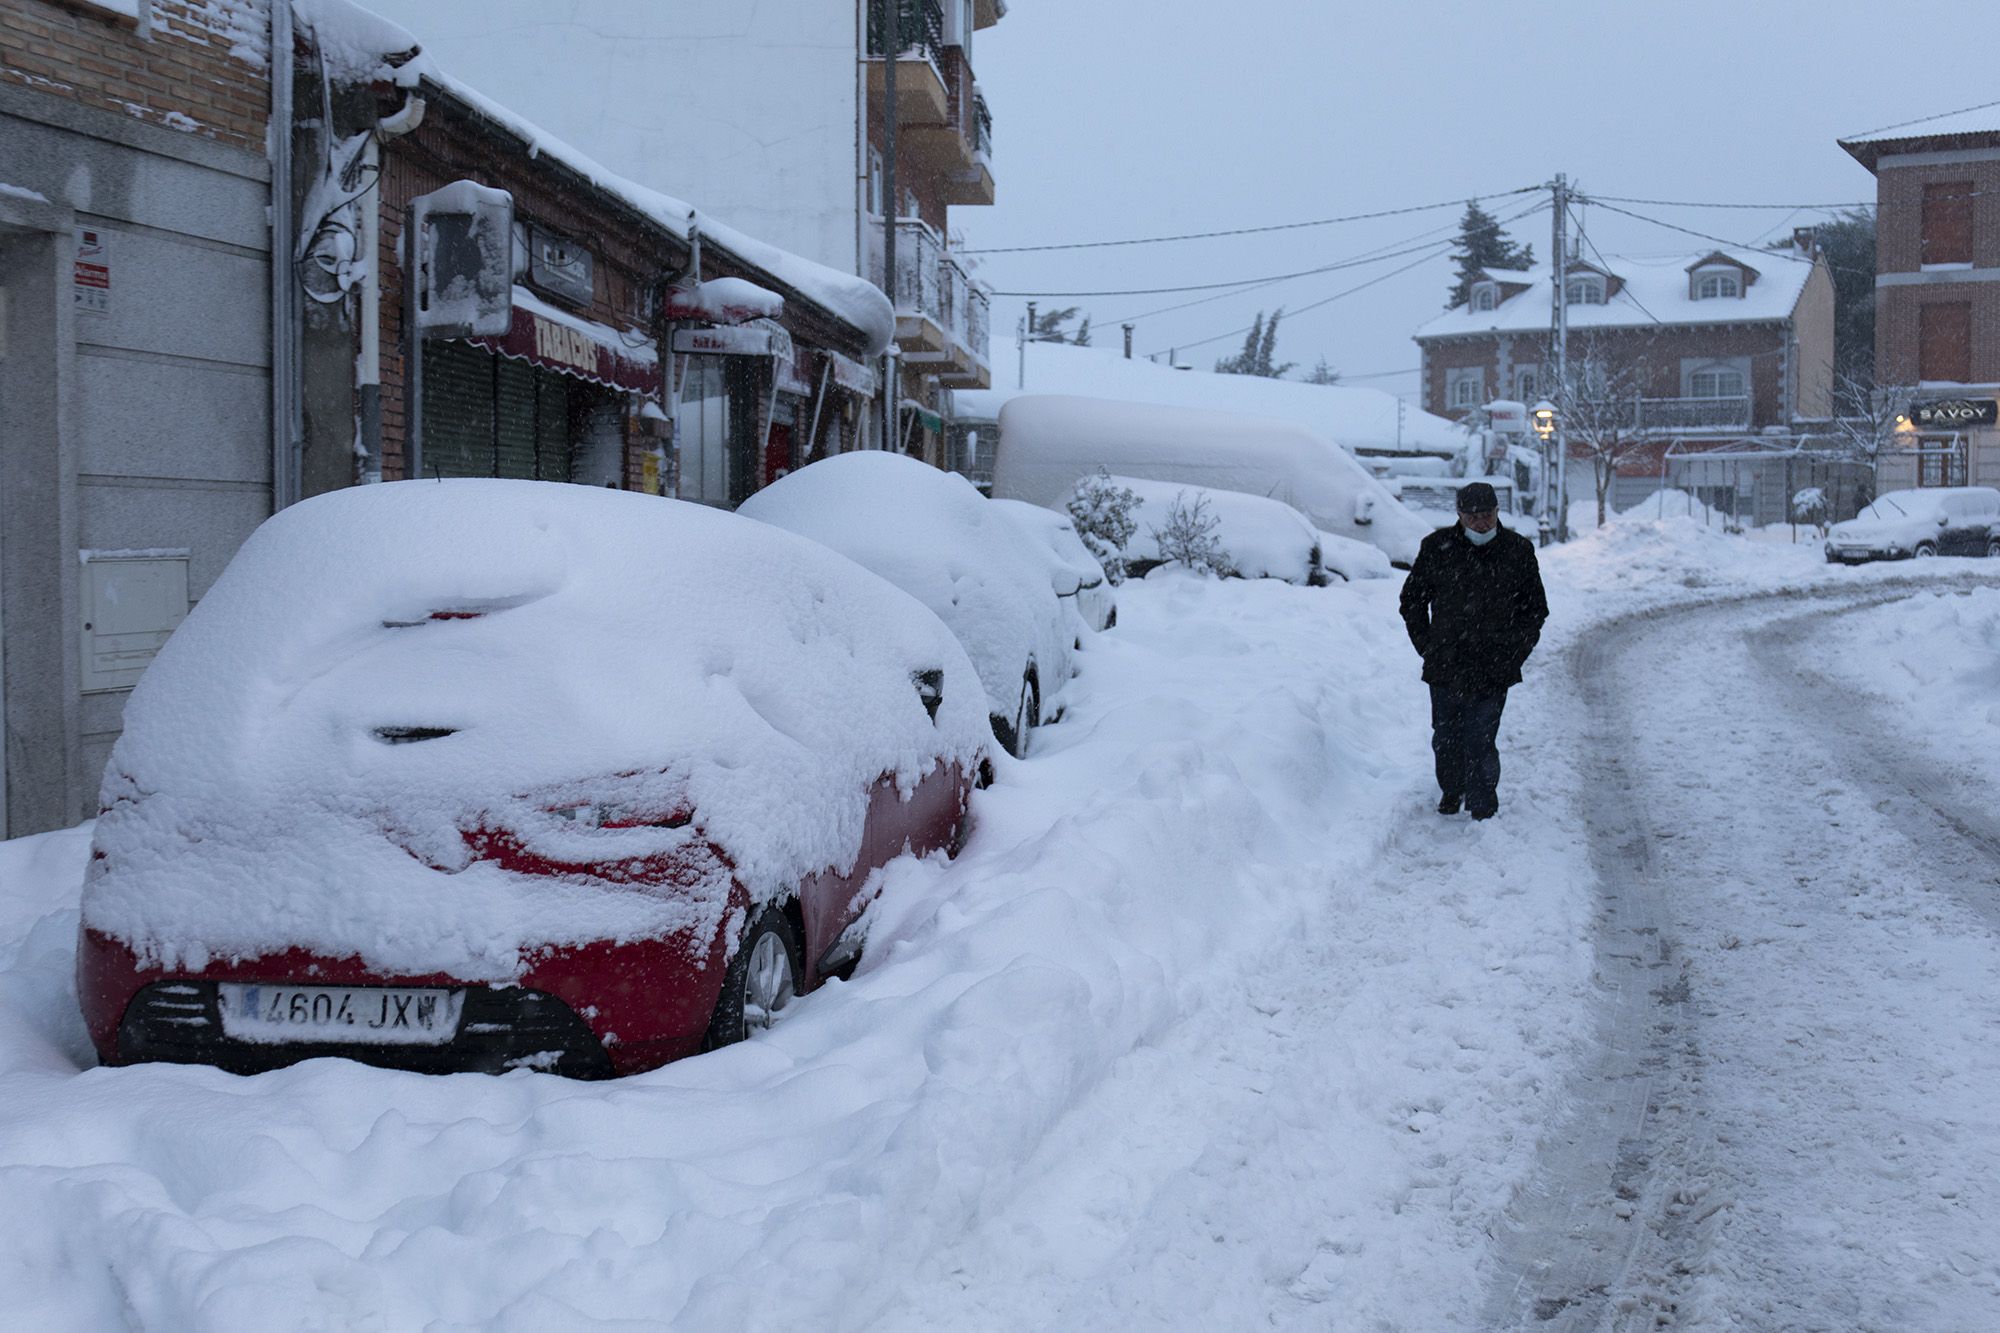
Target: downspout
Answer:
pixel 368 238
pixel 286 400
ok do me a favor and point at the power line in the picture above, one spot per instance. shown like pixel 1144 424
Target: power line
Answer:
pixel 1625 291
pixel 1734 245
pixel 1240 283
pixel 1690 203
pixel 1920 120
pixel 1247 231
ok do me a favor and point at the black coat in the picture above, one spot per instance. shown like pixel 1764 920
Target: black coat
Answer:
pixel 1474 612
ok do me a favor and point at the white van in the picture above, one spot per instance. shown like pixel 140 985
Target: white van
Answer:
pixel 1048 442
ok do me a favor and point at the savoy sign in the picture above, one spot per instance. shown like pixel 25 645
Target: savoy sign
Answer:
pixel 1954 413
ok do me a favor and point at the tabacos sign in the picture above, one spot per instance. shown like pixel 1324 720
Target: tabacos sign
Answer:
pixel 1955 413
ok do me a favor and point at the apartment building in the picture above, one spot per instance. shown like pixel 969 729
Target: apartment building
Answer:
pixel 1937 295
pixel 774 115
pixel 135 357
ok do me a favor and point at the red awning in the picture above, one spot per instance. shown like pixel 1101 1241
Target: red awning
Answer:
pixel 556 340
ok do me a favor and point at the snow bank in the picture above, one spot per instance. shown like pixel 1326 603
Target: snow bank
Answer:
pixel 932 535
pixel 1260 538
pixel 1048 443
pixel 1936 657
pixel 560 636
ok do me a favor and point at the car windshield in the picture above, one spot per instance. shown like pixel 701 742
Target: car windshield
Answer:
pixel 1892 508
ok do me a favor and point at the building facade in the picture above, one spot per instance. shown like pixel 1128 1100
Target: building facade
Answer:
pixel 136 387
pixel 1937 295
pixel 1669 357
pixel 775 117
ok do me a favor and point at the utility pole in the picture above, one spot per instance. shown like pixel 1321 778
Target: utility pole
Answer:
pixel 1027 336
pixel 1128 340
pixel 892 48
pixel 1559 348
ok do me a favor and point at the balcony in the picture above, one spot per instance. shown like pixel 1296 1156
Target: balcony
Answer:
pixel 943 317
pixel 923 97
pixel 955 151
pixel 1658 416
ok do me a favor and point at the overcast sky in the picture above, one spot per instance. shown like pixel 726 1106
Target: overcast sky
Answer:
pixel 1117 118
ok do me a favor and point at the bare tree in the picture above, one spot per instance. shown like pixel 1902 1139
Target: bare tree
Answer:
pixel 1600 412
pixel 1867 417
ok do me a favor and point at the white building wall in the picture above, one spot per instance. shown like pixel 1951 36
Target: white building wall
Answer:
pixel 749 111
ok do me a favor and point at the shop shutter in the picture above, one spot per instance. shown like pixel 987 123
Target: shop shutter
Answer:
pixel 1947 223
pixel 515 444
pixel 458 410
pixel 1944 342
pixel 555 451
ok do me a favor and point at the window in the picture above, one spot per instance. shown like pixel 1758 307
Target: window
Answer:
pixel 875 182
pixel 1940 462
pixel 1947 223
pixel 1527 383
pixel 1944 342
pixel 1483 296
pixel 1715 383
pixel 1586 291
pixel 1710 286
pixel 1465 386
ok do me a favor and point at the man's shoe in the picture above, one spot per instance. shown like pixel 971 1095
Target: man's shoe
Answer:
pixel 1486 814
pixel 1448 805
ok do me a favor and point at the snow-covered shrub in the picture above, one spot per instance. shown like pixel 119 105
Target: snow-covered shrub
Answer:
pixel 1102 512
pixel 1810 506
pixel 1189 537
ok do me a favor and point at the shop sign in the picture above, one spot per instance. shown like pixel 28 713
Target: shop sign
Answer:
pixel 723 342
pixel 852 375
pixel 91 278
pixel 541 341
pixel 560 266
pixel 1955 413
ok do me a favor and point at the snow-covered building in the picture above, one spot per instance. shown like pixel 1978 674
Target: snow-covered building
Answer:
pixel 1937 310
pixel 774 116
pixel 1709 346
pixel 1368 423
pixel 593 294
pixel 136 449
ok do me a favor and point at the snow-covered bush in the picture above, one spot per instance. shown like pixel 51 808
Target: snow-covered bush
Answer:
pixel 1102 512
pixel 1810 506
pixel 1189 537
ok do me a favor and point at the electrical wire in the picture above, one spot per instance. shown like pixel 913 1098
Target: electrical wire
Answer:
pixel 1239 283
pixel 1690 203
pixel 1251 231
pixel 1599 200
pixel 1625 291
pixel 1921 120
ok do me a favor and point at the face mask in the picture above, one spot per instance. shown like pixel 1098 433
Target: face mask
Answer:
pixel 1479 538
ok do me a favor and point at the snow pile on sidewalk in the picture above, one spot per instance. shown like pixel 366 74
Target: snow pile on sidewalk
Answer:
pixel 1225 775
pixel 1936 656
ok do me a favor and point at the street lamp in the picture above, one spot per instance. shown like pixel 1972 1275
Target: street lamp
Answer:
pixel 1544 416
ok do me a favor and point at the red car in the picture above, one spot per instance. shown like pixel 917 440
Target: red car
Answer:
pixel 501 775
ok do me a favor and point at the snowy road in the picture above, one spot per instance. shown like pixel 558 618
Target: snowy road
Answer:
pixel 1790 1122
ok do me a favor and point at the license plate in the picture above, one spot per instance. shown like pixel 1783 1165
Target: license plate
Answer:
pixel 360 1014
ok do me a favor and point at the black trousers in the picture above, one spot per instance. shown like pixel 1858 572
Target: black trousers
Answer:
pixel 1464 732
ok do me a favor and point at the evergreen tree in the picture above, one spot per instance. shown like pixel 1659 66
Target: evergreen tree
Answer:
pixel 1482 244
pixel 1322 373
pixel 1049 327
pixel 1847 244
pixel 1082 335
pixel 1260 348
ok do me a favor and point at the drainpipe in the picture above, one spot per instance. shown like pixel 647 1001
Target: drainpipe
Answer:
pixel 368 237
pixel 286 427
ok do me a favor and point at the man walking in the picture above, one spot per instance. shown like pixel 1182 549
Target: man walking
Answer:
pixel 1474 607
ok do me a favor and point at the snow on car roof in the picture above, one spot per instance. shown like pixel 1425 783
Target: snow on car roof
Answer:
pixel 930 533
pixel 557 636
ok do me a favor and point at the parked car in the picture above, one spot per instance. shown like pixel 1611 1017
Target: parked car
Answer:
pixel 488 775
pixel 1259 538
pixel 1075 573
pixel 1929 521
pixel 931 534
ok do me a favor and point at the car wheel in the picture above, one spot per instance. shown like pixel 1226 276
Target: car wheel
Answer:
pixel 1925 550
pixel 1111 621
pixel 1993 548
pixel 1027 716
pixel 761 980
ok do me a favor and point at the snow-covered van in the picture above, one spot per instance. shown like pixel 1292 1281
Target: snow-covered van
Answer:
pixel 1047 442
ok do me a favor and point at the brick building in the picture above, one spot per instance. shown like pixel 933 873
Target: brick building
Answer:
pixel 1691 350
pixel 135 357
pixel 1937 294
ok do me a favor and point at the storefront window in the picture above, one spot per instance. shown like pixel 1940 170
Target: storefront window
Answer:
pixel 704 432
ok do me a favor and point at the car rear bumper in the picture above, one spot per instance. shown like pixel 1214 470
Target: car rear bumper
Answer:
pixel 594 1011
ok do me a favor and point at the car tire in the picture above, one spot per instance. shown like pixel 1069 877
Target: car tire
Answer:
pixel 1993 548
pixel 1924 551
pixel 1111 621
pixel 761 980
pixel 1013 733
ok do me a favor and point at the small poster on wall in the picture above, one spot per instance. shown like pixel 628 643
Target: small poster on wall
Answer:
pixel 91 281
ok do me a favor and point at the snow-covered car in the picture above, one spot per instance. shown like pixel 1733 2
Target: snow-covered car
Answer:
pixel 1075 573
pixel 1255 537
pixel 1351 559
pixel 484 775
pixel 1933 520
pixel 932 535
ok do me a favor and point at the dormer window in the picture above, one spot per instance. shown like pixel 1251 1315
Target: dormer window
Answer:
pixel 1717 283
pixel 1587 289
pixel 1484 296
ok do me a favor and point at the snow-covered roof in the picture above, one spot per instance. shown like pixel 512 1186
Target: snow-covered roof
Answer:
pixel 356 43
pixel 1654 290
pixel 1971 120
pixel 1357 418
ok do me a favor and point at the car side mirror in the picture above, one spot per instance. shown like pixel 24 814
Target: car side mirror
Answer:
pixel 1943 521
pixel 930 689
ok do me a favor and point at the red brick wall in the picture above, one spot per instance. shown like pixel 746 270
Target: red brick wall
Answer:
pixel 190 66
pixel 1898 307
